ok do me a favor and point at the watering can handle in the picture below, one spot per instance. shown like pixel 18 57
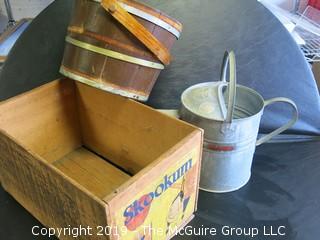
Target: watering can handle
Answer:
pixel 137 29
pixel 229 59
pixel 284 127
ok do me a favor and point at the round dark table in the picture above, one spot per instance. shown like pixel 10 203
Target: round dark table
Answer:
pixel 283 192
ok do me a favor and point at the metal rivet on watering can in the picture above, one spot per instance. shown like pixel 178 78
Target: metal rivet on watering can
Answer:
pixel 230 115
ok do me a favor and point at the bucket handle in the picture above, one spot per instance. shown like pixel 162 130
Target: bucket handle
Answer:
pixel 137 29
pixel 229 59
pixel 284 127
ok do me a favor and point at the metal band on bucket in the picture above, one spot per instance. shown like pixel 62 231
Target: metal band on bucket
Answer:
pixel 103 86
pixel 113 54
pixel 148 17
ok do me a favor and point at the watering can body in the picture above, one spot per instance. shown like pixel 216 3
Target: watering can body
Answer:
pixel 231 131
pixel 227 151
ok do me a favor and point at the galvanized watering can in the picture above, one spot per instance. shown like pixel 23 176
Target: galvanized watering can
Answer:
pixel 230 115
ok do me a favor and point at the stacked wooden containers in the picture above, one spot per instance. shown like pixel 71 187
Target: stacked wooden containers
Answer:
pixel 118 52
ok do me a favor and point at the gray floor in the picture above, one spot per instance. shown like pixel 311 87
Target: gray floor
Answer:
pixel 3 22
pixel 22 9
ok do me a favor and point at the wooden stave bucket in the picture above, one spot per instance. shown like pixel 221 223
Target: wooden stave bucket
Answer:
pixel 130 79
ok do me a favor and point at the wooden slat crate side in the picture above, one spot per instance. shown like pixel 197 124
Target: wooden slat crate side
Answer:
pixel 55 200
pixel 45 119
pixel 198 174
pixel 134 136
pixel 150 178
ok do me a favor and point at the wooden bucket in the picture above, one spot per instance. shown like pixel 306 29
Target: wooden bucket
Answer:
pixel 122 50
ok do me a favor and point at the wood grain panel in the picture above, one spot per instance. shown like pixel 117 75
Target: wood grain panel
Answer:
pixel 125 132
pixel 45 120
pixel 53 198
pixel 92 172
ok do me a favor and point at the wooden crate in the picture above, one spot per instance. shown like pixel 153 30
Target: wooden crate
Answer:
pixel 76 156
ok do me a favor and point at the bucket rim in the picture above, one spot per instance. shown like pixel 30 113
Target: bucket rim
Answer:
pixel 105 87
pixel 151 14
pixel 258 112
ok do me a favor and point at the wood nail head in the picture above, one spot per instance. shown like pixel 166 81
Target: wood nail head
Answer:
pixel 112 8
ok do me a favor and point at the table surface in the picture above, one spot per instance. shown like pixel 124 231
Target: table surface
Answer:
pixel 284 188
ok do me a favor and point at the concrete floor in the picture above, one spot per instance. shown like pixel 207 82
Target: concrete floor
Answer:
pixel 22 9
pixel 3 19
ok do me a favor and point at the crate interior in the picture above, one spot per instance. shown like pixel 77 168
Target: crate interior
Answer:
pixel 98 139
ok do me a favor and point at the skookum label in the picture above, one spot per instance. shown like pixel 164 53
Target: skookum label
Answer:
pixel 136 213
